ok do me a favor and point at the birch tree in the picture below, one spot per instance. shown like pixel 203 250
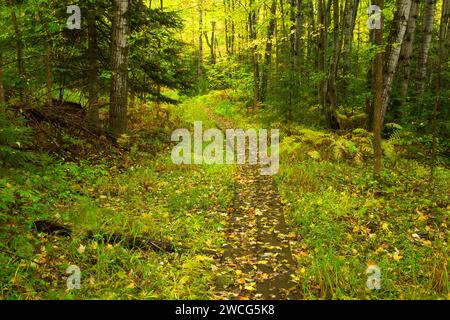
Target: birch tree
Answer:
pixel 404 69
pixel 393 53
pixel 119 63
pixel 427 33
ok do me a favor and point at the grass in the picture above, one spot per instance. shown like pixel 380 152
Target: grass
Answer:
pixel 344 221
pixel 344 224
pixel 149 197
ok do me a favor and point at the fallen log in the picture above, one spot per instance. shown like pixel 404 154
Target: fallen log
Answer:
pixel 129 242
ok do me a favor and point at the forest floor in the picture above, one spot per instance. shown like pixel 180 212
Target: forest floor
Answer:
pixel 309 232
pixel 257 247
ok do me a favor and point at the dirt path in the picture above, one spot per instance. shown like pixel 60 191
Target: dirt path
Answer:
pixel 257 250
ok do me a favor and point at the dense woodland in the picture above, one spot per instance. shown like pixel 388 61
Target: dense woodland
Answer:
pixel 361 98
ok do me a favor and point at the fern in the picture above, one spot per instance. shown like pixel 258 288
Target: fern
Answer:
pixel 14 135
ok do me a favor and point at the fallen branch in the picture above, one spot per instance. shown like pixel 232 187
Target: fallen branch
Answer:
pixel 129 242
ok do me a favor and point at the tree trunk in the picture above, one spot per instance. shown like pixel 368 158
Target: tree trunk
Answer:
pixel 332 86
pixel 427 33
pixel 233 28
pixel 47 61
pixel 446 29
pixel 395 44
pixel 2 89
pixel 322 53
pixel 254 52
pixel 292 31
pixel 350 13
pixel 311 32
pixel 298 35
pixel 119 63
pixel 406 51
pixel 378 98
pixel 93 72
pixel 227 32
pixel 268 52
pixel 212 44
pixel 19 48
pixel 49 74
pixel 200 39
pixel 443 34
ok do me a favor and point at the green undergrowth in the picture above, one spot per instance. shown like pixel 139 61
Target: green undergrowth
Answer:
pixel 346 221
pixel 132 194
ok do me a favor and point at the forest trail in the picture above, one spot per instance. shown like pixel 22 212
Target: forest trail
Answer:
pixel 257 248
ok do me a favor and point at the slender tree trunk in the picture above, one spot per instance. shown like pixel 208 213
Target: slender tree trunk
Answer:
pixel 292 31
pixel 378 97
pixel 427 33
pixel 332 86
pixel 298 35
pixel 406 51
pixel 350 13
pixel 233 28
pixel 119 63
pixel 311 32
pixel 48 67
pixel 200 39
pixel 445 24
pixel 2 89
pixel 322 53
pixel 93 72
pixel 227 32
pixel 395 44
pixel 255 55
pixel 283 19
pixel 268 52
pixel 443 34
pixel 212 44
pixel 19 48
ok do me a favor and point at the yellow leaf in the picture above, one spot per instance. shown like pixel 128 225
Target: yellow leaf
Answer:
pixel 81 249
pixel 397 256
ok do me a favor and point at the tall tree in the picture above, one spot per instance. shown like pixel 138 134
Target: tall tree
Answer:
pixel 398 31
pixel 404 68
pixel 427 33
pixel 322 52
pixel 268 52
pixel 226 6
pixel 332 73
pixel 443 36
pixel 212 44
pixel 378 96
pixel 119 64
pixel 19 46
pixel 2 89
pixel 93 68
pixel 252 23
pixel 350 13
pixel 200 39
pixel 47 60
pixel 298 34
